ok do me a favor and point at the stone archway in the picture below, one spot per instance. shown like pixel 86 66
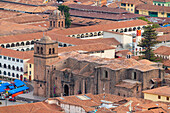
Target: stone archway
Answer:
pixel 66 90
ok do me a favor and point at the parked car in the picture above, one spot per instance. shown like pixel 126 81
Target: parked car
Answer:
pixel 12 99
pixel 2 97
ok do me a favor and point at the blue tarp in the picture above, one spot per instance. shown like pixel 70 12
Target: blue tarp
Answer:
pixel 0 81
pixel 18 90
pixel 5 84
pixel 2 89
pixel 19 83
pixel 11 87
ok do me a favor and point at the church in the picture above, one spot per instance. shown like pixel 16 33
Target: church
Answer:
pixel 74 73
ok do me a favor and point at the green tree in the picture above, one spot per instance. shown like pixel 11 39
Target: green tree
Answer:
pixel 65 9
pixel 149 42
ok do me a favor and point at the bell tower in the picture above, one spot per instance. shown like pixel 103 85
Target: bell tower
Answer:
pixel 57 19
pixel 45 52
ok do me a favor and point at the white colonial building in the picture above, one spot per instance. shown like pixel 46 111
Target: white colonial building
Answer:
pixel 13 64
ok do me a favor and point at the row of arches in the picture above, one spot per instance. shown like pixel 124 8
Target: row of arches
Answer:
pixel 56 24
pixel 86 35
pixel 17 44
pixel 128 29
pixel 100 33
pixel 11 67
pixel 9 74
pixel 63 45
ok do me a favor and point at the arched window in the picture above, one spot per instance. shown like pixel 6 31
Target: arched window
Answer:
pixel 13 75
pixel 134 75
pixel 17 76
pixel 9 67
pixel 4 72
pixel 32 42
pixel 4 65
pixel 9 74
pixel 62 24
pixel 53 51
pixel 22 44
pixel 53 23
pixel 41 50
pixel 2 46
pixel 99 34
pixel 27 49
pixel 106 74
pixel 82 36
pixel 22 50
pixel 27 43
pixel 12 45
pixel 58 24
pixel 7 46
pixel 50 51
pixel 17 44
pixel 134 28
pixel 17 68
pixel 65 45
pixel 50 23
pixel 125 30
pixel 13 67
pixel 0 65
pixel 38 50
pixel 21 69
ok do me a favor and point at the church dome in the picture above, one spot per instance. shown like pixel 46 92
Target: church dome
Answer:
pixel 46 39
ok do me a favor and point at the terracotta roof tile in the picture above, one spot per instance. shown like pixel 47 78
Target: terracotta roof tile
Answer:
pixel 86 47
pixel 110 26
pixel 15 54
pixel 38 107
pixel 162 50
pixel 153 8
pixel 163 38
pixel 163 29
pixel 163 91
pixel 8 28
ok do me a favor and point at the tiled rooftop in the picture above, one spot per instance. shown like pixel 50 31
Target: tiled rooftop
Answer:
pixel 162 50
pixel 38 107
pixel 15 54
pixel 163 91
pixel 153 8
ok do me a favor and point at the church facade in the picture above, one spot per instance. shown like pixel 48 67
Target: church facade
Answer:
pixel 74 73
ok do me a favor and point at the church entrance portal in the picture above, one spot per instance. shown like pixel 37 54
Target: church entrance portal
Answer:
pixel 66 90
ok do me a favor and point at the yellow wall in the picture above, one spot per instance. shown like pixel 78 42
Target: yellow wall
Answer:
pixel 145 12
pixel 155 97
pixel 129 7
pixel 162 15
pixel 32 71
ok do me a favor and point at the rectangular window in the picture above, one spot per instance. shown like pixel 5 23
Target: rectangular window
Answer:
pixel 5 57
pixel 0 56
pixel 30 65
pixel 131 9
pixel 30 72
pixel 13 59
pixel 9 58
pixel 167 98
pixel 128 4
pixel 159 97
pixel 123 4
pixel 17 60
pixel 21 61
pixel 131 5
